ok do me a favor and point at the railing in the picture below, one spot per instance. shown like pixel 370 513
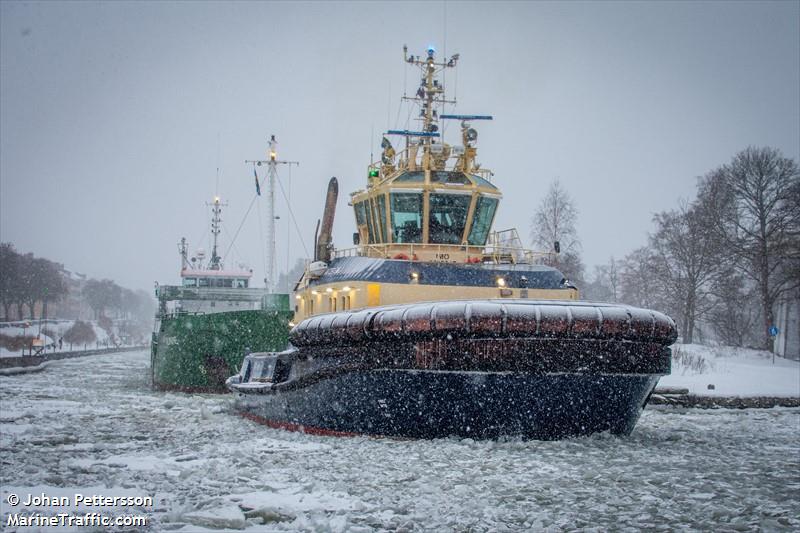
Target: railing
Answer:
pixel 491 253
pixel 179 292
pixel 404 161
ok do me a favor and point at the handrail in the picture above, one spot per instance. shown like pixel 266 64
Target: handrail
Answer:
pixel 489 253
pixel 403 158
pixel 179 291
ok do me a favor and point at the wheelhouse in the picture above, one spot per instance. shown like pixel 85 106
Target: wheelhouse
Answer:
pixel 427 207
pixel 215 280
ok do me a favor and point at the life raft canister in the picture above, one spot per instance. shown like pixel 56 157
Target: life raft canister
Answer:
pixel 404 257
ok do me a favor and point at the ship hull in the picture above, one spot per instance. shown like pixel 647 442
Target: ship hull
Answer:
pixel 476 369
pixel 196 353
pixel 434 404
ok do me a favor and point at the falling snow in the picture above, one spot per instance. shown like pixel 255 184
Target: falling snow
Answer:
pixel 92 425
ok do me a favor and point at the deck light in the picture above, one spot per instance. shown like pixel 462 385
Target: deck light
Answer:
pixel 314 293
pixel 501 282
pixel 373 173
pixel 329 289
pixel 346 288
pixel 298 297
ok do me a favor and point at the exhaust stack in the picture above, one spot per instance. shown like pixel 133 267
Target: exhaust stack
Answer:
pixel 324 242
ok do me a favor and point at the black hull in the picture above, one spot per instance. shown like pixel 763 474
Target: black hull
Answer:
pixel 478 369
pixel 434 404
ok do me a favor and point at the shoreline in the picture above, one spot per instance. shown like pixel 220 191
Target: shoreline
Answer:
pixel 723 402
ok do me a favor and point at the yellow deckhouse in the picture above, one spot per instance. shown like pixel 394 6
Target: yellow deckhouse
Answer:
pixel 424 225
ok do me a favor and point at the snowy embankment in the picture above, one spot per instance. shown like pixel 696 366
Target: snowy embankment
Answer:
pixel 56 327
pixel 93 426
pixel 733 372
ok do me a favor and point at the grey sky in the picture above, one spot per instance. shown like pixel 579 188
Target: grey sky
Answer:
pixel 115 116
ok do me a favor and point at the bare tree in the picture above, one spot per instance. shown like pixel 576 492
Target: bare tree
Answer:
pixel 754 204
pixel 555 220
pixel 80 333
pixel 639 285
pixel 102 295
pixel 9 276
pixel 49 283
pixel 686 263
pixel 288 282
pixel 606 285
pixel 735 315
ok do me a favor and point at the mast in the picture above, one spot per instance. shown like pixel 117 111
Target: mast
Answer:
pixel 272 176
pixel 183 249
pixel 216 208
pixel 429 95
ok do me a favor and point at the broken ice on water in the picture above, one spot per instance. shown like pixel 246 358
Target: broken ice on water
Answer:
pixel 94 425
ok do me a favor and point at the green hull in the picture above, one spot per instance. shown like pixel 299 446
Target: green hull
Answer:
pixel 198 352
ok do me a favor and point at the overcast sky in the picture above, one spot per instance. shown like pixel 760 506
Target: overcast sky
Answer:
pixel 115 116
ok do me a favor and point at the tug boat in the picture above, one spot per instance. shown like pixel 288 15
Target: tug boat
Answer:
pixel 206 325
pixel 434 325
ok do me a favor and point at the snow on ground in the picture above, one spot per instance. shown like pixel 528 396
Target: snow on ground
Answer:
pixel 732 371
pixel 56 326
pixel 92 425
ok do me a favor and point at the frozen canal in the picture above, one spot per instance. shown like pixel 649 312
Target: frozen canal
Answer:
pixel 92 426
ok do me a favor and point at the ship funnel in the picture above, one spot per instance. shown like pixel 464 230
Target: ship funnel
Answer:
pixel 324 242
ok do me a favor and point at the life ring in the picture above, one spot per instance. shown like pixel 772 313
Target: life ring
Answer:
pixel 404 257
pixel 473 260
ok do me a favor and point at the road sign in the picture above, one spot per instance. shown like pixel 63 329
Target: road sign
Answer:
pixel 773 331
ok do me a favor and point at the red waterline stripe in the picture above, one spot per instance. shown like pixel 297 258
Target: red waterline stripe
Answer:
pixel 311 430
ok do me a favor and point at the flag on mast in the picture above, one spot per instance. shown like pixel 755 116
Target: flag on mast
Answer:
pixel 258 187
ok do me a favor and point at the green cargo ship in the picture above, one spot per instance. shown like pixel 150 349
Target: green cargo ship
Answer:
pixel 205 326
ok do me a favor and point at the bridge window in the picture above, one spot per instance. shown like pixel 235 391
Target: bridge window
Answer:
pixel 406 217
pixel 410 177
pixel 368 214
pixel 448 217
pixel 480 182
pixel 376 225
pixel 482 220
pixel 449 177
pixel 204 282
pixel 361 214
pixel 382 215
pixel 190 282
